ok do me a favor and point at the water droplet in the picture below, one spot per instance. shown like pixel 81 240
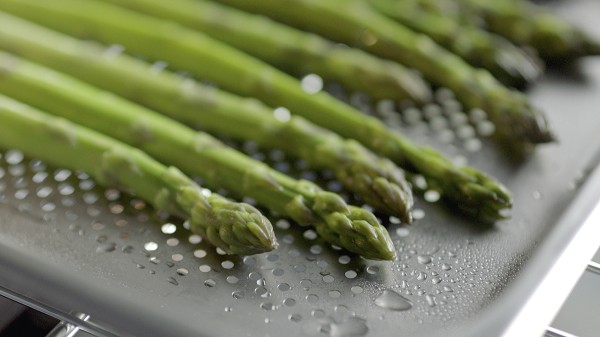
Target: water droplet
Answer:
pixel 282 114
pixel 106 247
pixel 312 83
pixel 210 283
pixel 283 287
pixel 310 234
pixel 391 300
pixel 334 294
pixel 448 289
pixel 430 300
pixel 282 224
pixel 312 298
pixel 295 317
pixel 140 266
pixel 173 281
pixel 21 194
pixel 372 270
pixel 195 239
pixel 421 276
pixel 228 309
pixel 350 274
pixel 485 128
pixel 356 290
pixel 74 227
pixel 431 196
pixel 13 157
pixel 418 214
pixel 168 228
pixel 237 294
pixel 344 259
pixel 182 271
pixel 436 280
pixel 318 313
pixel 266 306
pixel 289 302
pixel 328 278
pixel 44 192
pixel 306 283
pixel 412 116
pixel 402 232
pixel 316 249
pixel 352 327
pixel 424 259
pixel 177 257
pixel 537 195
pixel 465 132
pixel 255 276
pixel 150 246
pixel 473 144
pixel 199 253
pixel 446 267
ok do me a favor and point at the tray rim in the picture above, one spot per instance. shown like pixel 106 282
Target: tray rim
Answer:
pixel 559 260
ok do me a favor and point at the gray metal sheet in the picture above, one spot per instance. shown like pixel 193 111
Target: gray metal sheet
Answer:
pixel 67 246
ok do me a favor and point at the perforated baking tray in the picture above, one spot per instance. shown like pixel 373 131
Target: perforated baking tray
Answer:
pixel 69 247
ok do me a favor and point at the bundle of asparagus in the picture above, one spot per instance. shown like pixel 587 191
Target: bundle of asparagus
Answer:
pixel 237 228
pixel 377 180
pixel 445 40
pixel 467 189
pixel 198 154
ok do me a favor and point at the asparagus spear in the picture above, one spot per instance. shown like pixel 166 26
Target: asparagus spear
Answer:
pixel 467 189
pixel 197 153
pixel 507 62
pixel 237 228
pixel 292 50
pixel 526 23
pixel 357 23
pixel 378 181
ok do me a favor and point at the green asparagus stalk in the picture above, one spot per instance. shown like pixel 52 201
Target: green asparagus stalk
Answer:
pixel 237 228
pixel 197 153
pixel 378 181
pixel 507 62
pixel 467 189
pixel 357 23
pixel 526 23
pixel 290 49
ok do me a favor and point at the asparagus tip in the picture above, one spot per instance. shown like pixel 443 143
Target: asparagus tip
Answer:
pixel 378 181
pixel 237 228
pixel 397 198
pixel 358 231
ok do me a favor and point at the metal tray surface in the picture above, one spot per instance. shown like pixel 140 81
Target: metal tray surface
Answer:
pixel 69 247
